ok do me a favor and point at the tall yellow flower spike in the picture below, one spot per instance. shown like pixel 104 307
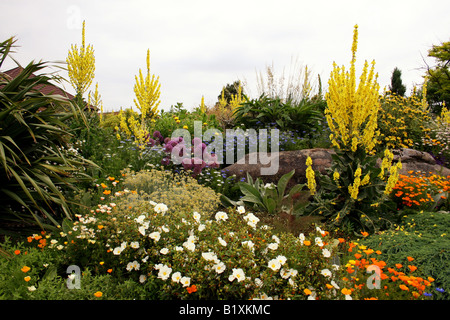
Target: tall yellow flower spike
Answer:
pixel 222 102
pixel 202 105
pixel 147 92
pixel 444 117
pixel 236 99
pixel 96 101
pixel 310 176
pixel 352 110
pixel 81 65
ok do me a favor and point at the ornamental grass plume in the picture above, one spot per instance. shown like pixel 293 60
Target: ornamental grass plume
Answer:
pixel 81 66
pixel 352 111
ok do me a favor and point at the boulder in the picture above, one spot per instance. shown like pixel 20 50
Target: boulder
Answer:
pixel 287 161
pixel 413 160
pixel 321 160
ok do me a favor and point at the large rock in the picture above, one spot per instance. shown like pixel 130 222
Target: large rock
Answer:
pixel 287 160
pixel 413 160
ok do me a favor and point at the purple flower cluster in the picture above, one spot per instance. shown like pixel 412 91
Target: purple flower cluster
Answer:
pixel 195 159
pixel 157 139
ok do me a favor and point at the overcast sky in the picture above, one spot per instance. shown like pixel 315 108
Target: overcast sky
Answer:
pixel 197 46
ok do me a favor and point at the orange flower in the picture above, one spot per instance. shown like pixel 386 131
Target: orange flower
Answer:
pixel 412 268
pixel 191 289
pixel 364 233
pixel 17 252
pixel 111 178
pixel 307 243
pixel 341 240
pixel 25 269
pixel 100 227
pixel 27 278
pixel 403 287
pixel 398 265
pixel 104 186
pixel 357 255
pixel 307 292
pixel 430 279
pixel 351 244
pixel 109 270
pixel 106 192
pixel 368 251
pixel 346 291
pixel 329 286
pixel 98 294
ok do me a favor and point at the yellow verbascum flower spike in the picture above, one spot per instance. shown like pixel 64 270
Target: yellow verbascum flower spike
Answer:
pixel 202 105
pixel 352 110
pixel 81 65
pixel 310 176
pixel 147 92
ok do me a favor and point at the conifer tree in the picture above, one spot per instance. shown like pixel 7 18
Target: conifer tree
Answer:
pixel 397 86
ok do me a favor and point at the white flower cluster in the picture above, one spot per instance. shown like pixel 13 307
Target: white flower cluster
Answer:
pixel 210 252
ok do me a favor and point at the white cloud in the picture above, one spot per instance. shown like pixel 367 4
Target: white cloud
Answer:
pixel 199 46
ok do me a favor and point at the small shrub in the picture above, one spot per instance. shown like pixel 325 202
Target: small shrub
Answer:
pixel 180 192
pixel 424 237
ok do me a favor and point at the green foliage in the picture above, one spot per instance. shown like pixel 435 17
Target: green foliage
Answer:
pixel 371 210
pixel 423 236
pixel 256 113
pixel 438 85
pixel 178 117
pixel 36 170
pixel 48 274
pixel 271 198
pixel 101 146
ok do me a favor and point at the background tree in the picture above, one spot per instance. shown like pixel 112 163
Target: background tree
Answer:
pixel 230 91
pixel 397 86
pixel 438 86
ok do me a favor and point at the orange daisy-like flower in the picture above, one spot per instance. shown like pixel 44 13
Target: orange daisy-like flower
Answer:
pixel 106 192
pixel 25 269
pixel 403 287
pixel 98 294
pixel 191 289
pixel 412 268
pixel 410 259
pixel 346 291
pixel 27 278
pixel 17 252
